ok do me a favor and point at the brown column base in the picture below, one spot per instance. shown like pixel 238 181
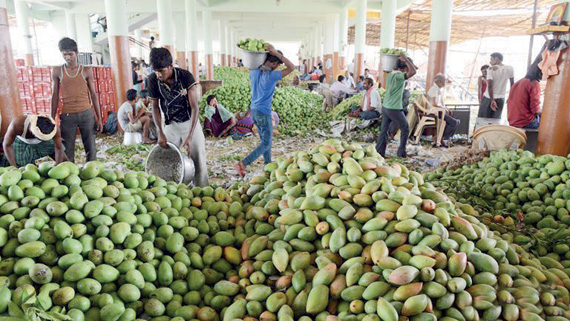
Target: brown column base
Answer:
pixel 170 48
pixel 29 58
pixel 554 132
pixel 342 64
pixel 235 60
pixel 229 60
pixel 209 67
pixel 358 65
pixel 9 97
pixel 436 60
pixel 193 64
pixel 121 66
pixel 329 71
pixel 181 58
pixel 336 69
pixel 223 60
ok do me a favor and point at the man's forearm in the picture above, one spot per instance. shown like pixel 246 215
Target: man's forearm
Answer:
pixel 157 117
pixel 490 89
pixel 95 101
pixel 54 104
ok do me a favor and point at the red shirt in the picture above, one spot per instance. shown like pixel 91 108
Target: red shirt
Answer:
pixel 523 103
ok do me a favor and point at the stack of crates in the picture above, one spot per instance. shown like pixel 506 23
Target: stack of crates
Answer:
pixel 35 87
pixel 105 88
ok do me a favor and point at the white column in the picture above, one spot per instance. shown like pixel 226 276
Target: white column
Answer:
pixel 207 26
pixel 329 36
pixel 343 33
pixel 360 28
pixel 25 42
pixel 191 25
pixel 222 28
pixel 388 30
pixel 70 24
pixel 116 12
pixel 318 44
pixel 228 44
pixel 440 27
pixel 180 32
pixel 165 25
pixel 138 38
pixel 84 36
pixel 335 32
pixel 359 38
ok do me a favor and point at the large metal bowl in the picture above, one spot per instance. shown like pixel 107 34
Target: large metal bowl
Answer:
pixel 252 60
pixel 170 164
pixel 389 61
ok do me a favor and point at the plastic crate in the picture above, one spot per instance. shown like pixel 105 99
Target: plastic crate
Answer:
pixel 24 89
pixel 23 74
pixel 28 105
pixel 43 105
pixel 41 90
pixel 107 72
pixel 20 62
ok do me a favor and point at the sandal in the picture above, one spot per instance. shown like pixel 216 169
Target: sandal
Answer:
pixel 240 169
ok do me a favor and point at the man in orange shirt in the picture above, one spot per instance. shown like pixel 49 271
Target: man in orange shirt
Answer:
pixel 79 98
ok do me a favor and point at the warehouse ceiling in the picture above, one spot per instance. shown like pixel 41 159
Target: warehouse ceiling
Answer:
pixel 295 20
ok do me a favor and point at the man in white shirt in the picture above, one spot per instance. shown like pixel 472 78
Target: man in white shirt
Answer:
pixel 348 80
pixel 133 118
pixel 497 77
pixel 339 90
pixel 371 102
pixel 436 96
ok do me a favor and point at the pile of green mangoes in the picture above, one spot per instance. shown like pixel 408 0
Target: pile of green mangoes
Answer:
pixel 517 188
pixel 330 233
pixel 255 45
pixel 393 51
pixel 299 111
pixel 231 75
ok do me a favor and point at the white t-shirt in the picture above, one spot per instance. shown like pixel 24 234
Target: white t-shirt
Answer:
pixel 349 81
pixel 375 100
pixel 500 78
pixel 438 94
pixel 338 89
pixel 123 114
pixel 302 68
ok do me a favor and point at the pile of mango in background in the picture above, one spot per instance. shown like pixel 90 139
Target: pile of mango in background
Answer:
pixel 332 233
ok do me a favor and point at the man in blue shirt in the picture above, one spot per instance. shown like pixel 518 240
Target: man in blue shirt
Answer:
pixel 263 81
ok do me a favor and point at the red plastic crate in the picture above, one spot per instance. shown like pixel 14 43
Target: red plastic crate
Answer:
pixel 23 74
pixel 107 72
pixel 24 89
pixel 28 105
pixel 41 90
pixel 20 62
pixel 43 105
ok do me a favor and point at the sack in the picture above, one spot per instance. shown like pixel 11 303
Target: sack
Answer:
pixel 110 127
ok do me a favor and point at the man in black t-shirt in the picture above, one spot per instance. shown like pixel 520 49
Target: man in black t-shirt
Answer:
pixel 173 92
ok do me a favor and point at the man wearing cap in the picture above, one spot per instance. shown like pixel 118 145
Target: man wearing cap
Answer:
pixel 263 81
pixel 30 138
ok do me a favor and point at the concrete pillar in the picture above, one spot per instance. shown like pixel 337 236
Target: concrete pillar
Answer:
pixel 359 38
pixel 233 48
pixel 118 32
pixel 191 37
pixel 84 36
pixel 328 65
pixel 440 31
pixel 229 45
pixel 222 28
pixel 554 132
pixel 343 38
pixel 316 39
pixel 25 39
pixel 165 24
pixel 9 97
pixel 208 53
pixel 138 38
pixel 335 31
pixel 387 33
pixel 70 25
pixel 180 40
pixel 320 44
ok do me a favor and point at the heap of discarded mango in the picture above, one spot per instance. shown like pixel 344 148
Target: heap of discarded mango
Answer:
pixel 330 233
